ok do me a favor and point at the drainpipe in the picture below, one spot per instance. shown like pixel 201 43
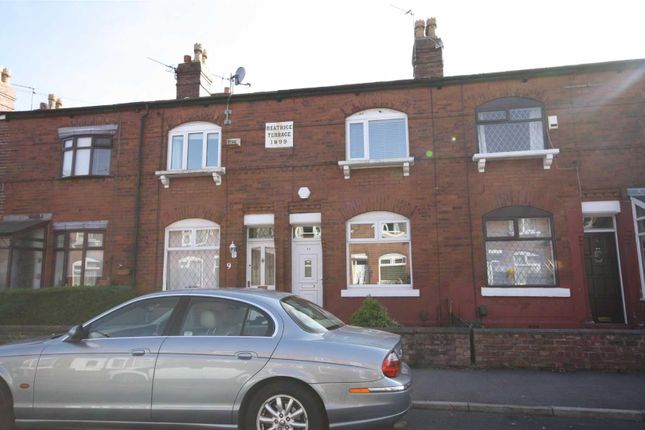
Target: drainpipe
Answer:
pixel 137 193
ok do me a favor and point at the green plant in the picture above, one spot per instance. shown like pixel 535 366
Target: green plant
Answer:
pixel 371 313
pixel 59 306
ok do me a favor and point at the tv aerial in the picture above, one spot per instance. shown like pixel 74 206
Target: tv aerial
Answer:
pixel 233 81
pixel 171 69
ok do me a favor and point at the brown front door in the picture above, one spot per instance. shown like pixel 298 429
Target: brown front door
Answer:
pixel 603 280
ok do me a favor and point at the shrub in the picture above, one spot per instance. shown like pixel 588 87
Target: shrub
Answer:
pixel 372 314
pixel 59 306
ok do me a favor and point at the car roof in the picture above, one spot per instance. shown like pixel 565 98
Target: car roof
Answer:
pixel 239 293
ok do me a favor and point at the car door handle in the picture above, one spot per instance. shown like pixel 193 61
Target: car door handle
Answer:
pixel 138 352
pixel 244 355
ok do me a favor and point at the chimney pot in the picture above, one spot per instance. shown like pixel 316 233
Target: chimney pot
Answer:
pixel 427 54
pixel 43 106
pixel 51 101
pixel 7 94
pixel 193 79
pixel 59 103
pixel 6 75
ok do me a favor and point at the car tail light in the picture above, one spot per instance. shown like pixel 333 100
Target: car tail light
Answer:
pixel 391 365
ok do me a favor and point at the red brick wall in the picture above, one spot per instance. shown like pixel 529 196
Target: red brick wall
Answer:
pixel 602 153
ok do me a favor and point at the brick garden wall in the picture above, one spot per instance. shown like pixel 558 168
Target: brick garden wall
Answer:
pixel 607 350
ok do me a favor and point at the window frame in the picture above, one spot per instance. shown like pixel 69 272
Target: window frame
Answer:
pixel 92 148
pixel 507 104
pixel 12 239
pixel 192 224
pixel 184 130
pixel 365 117
pixel 636 202
pixel 514 213
pixel 378 218
pixel 66 250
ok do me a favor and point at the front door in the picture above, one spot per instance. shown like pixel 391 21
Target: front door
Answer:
pixel 603 278
pixel 307 278
pixel 260 264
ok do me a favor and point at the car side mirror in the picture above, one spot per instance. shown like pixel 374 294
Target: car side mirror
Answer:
pixel 75 334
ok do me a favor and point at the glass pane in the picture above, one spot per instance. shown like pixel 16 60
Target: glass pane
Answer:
pixel 101 162
pixel 394 229
pixel 193 269
pixel 207 237
pixel 393 269
pixel 144 318
pixel 93 267
pixel 306 232
pixel 256 255
pixel 26 268
pixel 76 239
pixel 102 141
pixel 640 212
pixel 67 163
pixel 84 142
pixel 508 137
pixel 95 240
pixel 212 151
pixel 69 143
pixel 534 227
pixel 5 242
pixel 362 231
pixel 257 324
pixel 591 222
pixel 387 139
pixel 499 228
pixel 269 266
pixel 380 263
pixel 25 243
pixel 526 113
pixel 195 150
pixel 520 263
pixel 177 152
pixel 307 269
pixel 209 317
pixel 59 241
pixel 641 225
pixel 38 233
pixel 58 269
pixel 499 115
pixel 642 242
pixel 356 141
pixel 82 166
pixel 4 268
pixel 74 268
pixel 260 232
pixel 180 238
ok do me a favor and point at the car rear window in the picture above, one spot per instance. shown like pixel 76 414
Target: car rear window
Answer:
pixel 310 317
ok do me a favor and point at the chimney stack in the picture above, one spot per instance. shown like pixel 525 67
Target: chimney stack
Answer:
pixel 192 76
pixel 7 93
pixel 427 55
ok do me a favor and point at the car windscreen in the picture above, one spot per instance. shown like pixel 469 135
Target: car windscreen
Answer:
pixel 310 317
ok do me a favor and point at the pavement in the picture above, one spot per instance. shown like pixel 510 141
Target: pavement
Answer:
pixel 581 394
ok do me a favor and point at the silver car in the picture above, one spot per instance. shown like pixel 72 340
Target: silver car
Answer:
pixel 219 359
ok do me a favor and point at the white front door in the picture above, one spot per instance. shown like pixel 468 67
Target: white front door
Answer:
pixel 260 260
pixel 307 278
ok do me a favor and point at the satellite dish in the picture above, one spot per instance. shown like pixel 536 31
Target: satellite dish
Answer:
pixel 239 75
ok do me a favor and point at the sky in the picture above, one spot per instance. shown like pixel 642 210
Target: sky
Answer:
pixel 96 52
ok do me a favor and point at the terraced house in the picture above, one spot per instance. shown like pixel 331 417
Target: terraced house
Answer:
pixel 513 199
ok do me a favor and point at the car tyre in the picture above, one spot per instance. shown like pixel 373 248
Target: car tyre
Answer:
pixel 279 405
pixel 7 419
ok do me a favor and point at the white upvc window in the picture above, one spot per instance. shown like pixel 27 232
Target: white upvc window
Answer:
pixel 194 146
pixel 377 134
pixel 192 254
pixel 638 208
pixel 379 259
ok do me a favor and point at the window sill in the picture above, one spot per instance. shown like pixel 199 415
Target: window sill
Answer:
pixel 525 292
pixel 67 178
pixel 379 291
pixel 166 175
pixel 404 163
pixel 546 155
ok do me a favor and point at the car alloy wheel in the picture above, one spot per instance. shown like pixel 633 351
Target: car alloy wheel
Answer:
pixel 282 412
